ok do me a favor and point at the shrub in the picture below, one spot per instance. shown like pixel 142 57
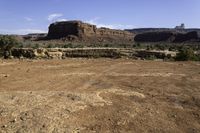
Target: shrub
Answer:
pixel 6 44
pixel 106 45
pixel 148 47
pixel 186 55
pixel 36 46
pixel 50 45
pixel 69 45
pixel 138 45
pixel 151 57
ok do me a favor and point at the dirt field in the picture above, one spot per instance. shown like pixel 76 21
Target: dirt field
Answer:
pixel 99 96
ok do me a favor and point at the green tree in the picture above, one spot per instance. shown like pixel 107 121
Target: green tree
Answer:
pixel 6 44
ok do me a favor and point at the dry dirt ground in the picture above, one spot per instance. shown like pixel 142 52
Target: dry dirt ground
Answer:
pixel 99 96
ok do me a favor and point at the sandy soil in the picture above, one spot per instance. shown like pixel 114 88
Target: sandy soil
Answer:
pixel 99 96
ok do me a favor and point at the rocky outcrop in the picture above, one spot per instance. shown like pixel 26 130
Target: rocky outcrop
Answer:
pixel 64 29
pixel 61 53
pixel 190 36
pixel 144 30
pixel 167 36
pixel 154 36
pixel 29 53
pixel 79 31
pixel 54 53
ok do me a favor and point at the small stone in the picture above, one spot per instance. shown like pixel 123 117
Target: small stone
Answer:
pixel 13 121
pixel 4 126
pixel 28 70
pixel 22 118
pixel 174 116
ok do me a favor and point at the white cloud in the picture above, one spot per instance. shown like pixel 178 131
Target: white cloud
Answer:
pixel 94 21
pixel 54 16
pixel 26 31
pixel 21 31
pixel 63 19
pixel 28 19
pixel 111 26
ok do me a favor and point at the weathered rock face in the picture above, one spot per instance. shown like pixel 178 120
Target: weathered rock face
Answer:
pixel 73 30
pixel 143 30
pixel 190 36
pixel 166 36
pixel 62 53
pixel 153 37
pixel 63 29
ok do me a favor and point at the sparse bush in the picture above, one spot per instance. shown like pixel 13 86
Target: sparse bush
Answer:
pixel 133 46
pixel 36 46
pixel 106 45
pixel 6 44
pixel 171 49
pixel 148 47
pixel 151 57
pixel 19 45
pixel 161 46
pixel 187 55
pixel 50 45
pixel 138 45
pixel 69 45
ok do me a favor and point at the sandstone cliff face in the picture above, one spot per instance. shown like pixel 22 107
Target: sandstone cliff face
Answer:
pixel 190 36
pixel 77 30
pixel 167 36
pixel 143 30
pixel 153 36
pixel 63 29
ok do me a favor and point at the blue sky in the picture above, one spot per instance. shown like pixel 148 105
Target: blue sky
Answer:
pixel 30 16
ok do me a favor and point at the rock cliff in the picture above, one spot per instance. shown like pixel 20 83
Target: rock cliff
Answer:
pixel 167 36
pixel 79 31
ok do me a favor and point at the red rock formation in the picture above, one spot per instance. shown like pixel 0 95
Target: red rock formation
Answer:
pixel 87 32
